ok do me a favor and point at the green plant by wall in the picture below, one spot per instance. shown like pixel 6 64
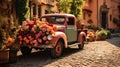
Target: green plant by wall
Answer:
pixel 22 10
pixel 103 34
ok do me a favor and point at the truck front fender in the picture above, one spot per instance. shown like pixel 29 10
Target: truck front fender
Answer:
pixel 81 36
pixel 59 36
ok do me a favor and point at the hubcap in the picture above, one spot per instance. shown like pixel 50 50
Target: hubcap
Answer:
pixel 58 49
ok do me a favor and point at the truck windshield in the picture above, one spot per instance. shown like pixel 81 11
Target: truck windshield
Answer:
pixel 54 19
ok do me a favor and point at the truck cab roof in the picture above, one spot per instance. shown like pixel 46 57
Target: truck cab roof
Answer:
pixel 57 14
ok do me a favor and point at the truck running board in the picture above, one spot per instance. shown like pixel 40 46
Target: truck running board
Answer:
pixel 75 44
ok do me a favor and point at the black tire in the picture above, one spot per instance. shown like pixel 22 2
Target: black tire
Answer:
pixel 57 50
pixel 81 45
pixel 25 50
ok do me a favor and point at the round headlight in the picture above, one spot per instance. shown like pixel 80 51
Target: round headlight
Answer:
pixel 49 37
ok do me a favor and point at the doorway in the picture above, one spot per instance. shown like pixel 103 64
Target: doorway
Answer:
pixel 104 20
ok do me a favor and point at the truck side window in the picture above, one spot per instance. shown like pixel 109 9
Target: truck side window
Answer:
pixel 70 21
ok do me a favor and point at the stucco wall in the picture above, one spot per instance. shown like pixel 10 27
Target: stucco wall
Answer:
pixel 96 14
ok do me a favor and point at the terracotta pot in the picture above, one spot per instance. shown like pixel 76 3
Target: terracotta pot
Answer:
pixel 103 37
pixel 90 39
pixel 4 56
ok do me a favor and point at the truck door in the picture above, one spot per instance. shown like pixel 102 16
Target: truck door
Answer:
pixel 71 30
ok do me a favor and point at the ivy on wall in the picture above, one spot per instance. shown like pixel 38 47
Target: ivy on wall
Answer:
pixel 22 10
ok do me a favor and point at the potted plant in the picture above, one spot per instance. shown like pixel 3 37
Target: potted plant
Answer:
pixel 7 49
pixel 13 46
pixel 91 36
pixel 101 35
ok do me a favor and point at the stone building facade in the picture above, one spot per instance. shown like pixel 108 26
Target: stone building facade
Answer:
pixel 9 20
pixel 103 13
pixel 41 7
pixel 7 15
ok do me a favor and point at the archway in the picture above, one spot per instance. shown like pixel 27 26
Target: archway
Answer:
pixel 104 16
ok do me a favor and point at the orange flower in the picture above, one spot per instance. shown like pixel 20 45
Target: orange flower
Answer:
pixel 54 27
pixel 49 28
pixel 25 38
pixel 27 41
pixel 11 40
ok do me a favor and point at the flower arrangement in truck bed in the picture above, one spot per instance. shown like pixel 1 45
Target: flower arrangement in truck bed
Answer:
pixel 35 32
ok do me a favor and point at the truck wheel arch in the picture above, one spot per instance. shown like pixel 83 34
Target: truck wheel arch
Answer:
pixel 59 36
pixel 81 36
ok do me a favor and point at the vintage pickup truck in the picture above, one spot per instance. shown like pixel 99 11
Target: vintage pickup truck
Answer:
pixel 67 34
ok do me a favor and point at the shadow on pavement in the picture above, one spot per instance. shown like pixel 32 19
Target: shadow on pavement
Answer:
pixel 38 59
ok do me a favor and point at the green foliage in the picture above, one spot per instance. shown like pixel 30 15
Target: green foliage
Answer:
pixel 71 6
pixel 64 6
pixel 90 21
pixel 22 10
pixel 108 34
pixel 75 7
pixel 103 34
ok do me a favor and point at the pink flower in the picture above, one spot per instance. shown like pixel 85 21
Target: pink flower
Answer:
pixel 39 40
pixel 36 44
pixel 47 42
pixel 44 38
pixel 33 30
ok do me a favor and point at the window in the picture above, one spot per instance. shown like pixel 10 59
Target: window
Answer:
pixel 39 10
pixel 34 9
pixel 46 11
pixel 54 19
pixel 84 17
pixel 71 21
pixel 110 17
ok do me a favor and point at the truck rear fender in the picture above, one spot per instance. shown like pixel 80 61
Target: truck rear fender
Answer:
pixel 81 36
pixel 59 36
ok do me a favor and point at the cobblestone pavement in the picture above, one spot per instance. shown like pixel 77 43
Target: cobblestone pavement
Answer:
pixel 95 54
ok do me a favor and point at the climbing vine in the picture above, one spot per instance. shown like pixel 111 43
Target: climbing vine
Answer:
pixel 22 10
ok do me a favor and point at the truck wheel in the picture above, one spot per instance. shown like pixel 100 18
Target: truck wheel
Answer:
pixel 57 50
pixel 25 50
pixel 81 45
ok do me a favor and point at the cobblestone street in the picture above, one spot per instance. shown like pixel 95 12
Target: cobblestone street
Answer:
pixel 95 54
